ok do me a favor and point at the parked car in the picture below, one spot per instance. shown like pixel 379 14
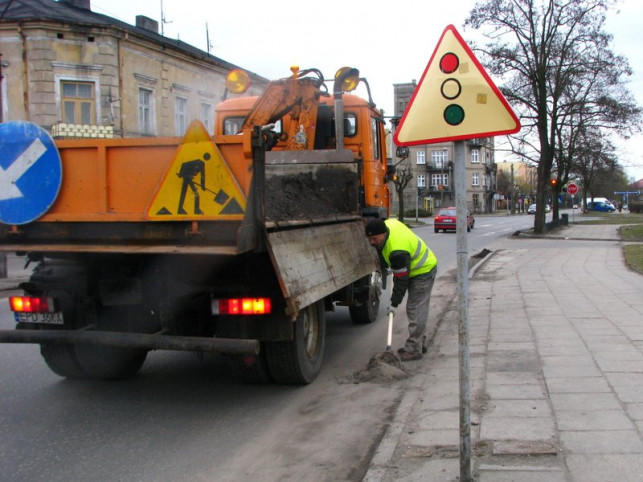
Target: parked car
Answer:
pixel 532 209
pixel 446 220
pixel 601 206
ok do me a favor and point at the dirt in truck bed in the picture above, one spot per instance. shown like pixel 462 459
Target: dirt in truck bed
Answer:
pixel 299 197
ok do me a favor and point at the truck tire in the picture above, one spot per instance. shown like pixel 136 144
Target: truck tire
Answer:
pixel 368 299
pixel 251 369
pixel 92 362
pixel 109 363
pixel 299 361
pixel 61 360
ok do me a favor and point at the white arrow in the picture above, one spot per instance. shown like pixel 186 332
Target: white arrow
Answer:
pixel 8 178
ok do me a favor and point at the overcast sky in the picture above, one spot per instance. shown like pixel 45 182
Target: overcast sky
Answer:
pixel 388 45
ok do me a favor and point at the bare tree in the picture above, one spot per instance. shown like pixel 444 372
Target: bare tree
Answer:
pixel 559 73
pixel 402 178
pixel 594 159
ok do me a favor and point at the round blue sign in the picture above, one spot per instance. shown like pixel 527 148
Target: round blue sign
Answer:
pixel 30 172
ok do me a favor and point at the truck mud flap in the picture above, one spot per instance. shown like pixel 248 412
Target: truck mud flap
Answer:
pixel 314 262
pixel 133 340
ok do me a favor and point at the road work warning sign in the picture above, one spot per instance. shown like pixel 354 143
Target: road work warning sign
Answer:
pixel 199 184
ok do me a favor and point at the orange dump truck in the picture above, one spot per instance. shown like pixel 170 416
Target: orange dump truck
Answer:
pixel 235 242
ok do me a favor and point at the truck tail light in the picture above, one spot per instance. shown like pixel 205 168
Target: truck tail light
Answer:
pixel 31 304
pixel 241 306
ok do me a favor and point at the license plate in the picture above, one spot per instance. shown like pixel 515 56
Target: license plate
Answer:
pixel 40 318
pixel 448 221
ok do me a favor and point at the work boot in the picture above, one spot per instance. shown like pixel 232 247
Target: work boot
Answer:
pixel 409 356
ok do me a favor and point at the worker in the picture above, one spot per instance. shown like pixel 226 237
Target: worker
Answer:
pixel 414 268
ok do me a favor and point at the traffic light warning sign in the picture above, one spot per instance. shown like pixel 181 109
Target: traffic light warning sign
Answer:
pixel 455 99
pixel 199 184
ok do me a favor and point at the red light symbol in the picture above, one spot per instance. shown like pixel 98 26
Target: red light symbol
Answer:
pixel 449 63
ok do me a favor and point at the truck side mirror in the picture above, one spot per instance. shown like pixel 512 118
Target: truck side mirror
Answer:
pixel 402 152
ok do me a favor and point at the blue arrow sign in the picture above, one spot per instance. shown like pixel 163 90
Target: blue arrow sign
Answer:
pixel 30 172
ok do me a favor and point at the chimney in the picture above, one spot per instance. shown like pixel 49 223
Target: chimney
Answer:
pixel 147 23
pixel 84 4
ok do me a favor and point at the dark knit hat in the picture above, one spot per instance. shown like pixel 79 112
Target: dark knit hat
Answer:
pixel 374 227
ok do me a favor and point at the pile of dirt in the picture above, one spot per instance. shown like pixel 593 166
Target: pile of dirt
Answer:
pixel 322 194
pixel 294 198
pixel 385 367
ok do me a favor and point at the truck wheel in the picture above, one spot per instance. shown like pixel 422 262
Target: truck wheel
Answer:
pixel 109 363
pixel 368 300
pixel 299 361
pixel 92 362
pixel 250 368
pixel 61 360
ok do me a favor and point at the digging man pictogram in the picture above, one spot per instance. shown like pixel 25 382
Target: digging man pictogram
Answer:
pixel 189 171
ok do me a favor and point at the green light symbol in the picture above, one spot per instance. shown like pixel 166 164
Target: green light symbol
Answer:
pixel 454 114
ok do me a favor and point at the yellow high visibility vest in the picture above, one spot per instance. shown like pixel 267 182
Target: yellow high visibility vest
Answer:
pixel 401 238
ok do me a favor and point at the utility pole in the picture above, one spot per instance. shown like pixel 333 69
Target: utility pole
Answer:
pixel 513 194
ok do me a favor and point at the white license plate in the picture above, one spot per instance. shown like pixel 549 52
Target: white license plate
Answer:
pixel 41 318
pixel 447 221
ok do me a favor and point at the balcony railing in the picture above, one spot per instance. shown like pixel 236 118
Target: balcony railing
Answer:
pixel 75 131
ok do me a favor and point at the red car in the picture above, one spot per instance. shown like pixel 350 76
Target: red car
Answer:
pixel 446 218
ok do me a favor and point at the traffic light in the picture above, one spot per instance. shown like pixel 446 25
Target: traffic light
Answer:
pixel 553 183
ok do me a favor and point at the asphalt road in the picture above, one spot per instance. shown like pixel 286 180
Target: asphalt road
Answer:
pixel 185 418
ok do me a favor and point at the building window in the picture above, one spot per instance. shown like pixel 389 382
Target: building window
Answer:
pixel 439 180
pixel 440 159
pixel 421 180
pixel 206 117
pixel 78 102
pixel 475 156
pixel 180 116
pixel 421 157
pixel 475 179
pixel 145 111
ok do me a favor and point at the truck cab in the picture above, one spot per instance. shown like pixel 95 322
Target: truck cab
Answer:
pixel 364 135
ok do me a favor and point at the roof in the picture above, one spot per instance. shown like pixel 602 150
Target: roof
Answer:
pixel 65 12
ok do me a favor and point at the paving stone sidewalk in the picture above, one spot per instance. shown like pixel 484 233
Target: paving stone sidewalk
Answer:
pixel 556 356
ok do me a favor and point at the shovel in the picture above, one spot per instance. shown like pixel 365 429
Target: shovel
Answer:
pixel 389 339
pixel 388 356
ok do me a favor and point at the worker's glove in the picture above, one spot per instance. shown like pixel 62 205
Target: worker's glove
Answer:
pixel 391 310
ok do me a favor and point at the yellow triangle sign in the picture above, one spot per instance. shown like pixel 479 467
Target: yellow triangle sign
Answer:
pixel 455 99
pixel 199 184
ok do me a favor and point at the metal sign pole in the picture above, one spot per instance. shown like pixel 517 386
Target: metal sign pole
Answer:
pixel 463 309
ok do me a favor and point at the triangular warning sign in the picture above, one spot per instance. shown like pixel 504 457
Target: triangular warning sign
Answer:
pixel 199 184
pixel 455 99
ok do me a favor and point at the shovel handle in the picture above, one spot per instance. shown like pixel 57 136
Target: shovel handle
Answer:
pixel 389 338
